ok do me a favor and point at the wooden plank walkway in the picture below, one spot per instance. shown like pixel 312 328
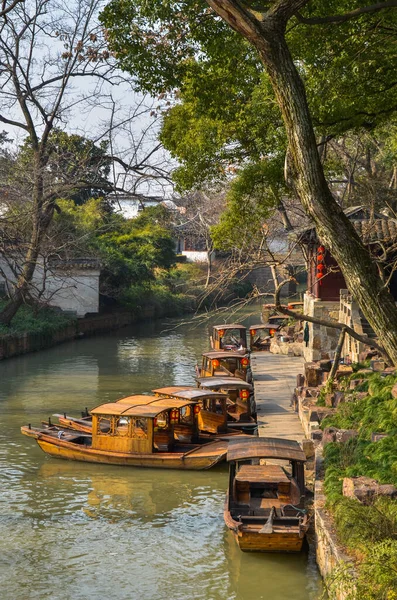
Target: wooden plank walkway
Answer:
pixel 274 378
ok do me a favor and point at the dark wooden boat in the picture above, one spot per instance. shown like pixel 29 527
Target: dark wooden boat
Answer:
pixel 225 364
pixel 261 335
pixel 264 505
pixel 131 435
pixel 229 337
pixel 242 408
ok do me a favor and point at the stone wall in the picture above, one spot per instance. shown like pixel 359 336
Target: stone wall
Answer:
pixel 14 345
pixel 322 340
pixel 331 559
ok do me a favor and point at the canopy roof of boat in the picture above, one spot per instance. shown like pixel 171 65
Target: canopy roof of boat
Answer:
pixel 190 393
pixel 224 354
pixel 229 326
pixel 173 389
pixel 263 326
pixel 150 409
pixel 224 382
pixel 137 399
pixel 265 448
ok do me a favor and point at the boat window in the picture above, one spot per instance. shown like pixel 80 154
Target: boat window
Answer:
pixel 122 426
pixel 185 414
pixel 103 425
pixel 161 421
pixel 230 364
pixel 139 428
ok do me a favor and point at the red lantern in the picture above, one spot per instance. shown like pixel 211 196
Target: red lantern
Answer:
pixel 321 267
pixel 272 331
pixel 319 275
pixel 174 415
pixel 253 331
pixel 221 332
pixel 245 362
pixel 244 394
pixel 321 249
pixel 197 409
pixel 320 257
pixel 215 363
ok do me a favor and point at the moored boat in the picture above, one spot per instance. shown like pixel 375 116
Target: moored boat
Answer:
pixel 241 409
pixel 230 336
pixel 225 364
pixel 264 505
pixel 128 435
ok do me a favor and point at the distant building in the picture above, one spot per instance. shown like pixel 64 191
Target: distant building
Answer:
pixel 327 296
pixel 71 285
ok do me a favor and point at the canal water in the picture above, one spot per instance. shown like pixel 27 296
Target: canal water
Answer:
pixel 76 531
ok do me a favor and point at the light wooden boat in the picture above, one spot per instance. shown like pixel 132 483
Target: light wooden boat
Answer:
pixel 212 413
pixel 136 436
pixel 264 506
pixel 241 409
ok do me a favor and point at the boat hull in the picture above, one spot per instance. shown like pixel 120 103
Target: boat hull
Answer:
pixel 250 539
pixel 200 458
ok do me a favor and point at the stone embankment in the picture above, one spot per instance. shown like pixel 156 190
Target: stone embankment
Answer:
pixel 283 413
pixel 17 344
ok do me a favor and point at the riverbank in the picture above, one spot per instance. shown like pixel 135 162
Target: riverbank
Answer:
pixel 353 423
pixel 57 328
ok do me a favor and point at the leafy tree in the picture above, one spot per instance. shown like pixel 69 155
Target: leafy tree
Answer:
pixel 155 41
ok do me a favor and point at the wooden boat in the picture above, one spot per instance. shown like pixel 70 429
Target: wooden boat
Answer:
pixel 264 505
pixel 229 337
pixel 131 435
pixel 211 411
pixel 225 364
pixel 242 409
pixel 85 422
pixel 261 335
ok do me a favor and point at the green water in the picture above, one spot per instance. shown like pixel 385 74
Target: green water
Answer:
pixel 76 531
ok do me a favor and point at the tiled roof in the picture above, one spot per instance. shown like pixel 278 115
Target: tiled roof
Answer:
pixel 378 230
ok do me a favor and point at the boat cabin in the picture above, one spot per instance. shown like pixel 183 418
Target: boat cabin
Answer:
pixel 240 392
pixel 228 337
pixel 264 504
pixel 270 470
pixel 138 429
pixel 225 364
pixel 210 410
pixel 261 335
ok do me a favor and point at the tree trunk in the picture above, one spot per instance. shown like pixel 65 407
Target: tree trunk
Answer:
pixel 333 227
pixel 267 35
pixel 40 221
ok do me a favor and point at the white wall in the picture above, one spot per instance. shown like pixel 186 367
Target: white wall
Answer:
pixel 75 290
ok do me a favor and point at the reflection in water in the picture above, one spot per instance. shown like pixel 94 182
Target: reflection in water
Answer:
pixel 73 530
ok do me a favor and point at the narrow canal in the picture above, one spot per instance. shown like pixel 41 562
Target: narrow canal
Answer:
pixel 76 531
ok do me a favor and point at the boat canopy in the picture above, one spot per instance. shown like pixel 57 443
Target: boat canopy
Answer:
pixel 137 399
pixel 152 409
pixel 262 326
pixel 193 394
pixel 265 448
pixel 175 389
pixel 224 382
pixel 229 326
pixel 224 354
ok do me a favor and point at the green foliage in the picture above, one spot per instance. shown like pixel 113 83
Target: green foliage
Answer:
pixel 368 531
pixel 30 319
pixel 155 296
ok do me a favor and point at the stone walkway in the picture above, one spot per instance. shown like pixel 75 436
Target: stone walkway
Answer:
pixel 274 378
